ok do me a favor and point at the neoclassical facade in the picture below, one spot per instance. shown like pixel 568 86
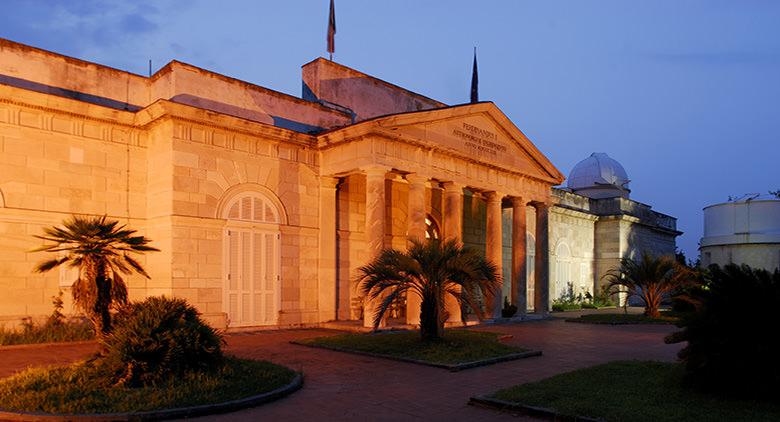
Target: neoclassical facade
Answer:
pixel 263 204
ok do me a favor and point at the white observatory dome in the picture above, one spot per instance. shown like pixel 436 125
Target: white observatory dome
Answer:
pixel 599 176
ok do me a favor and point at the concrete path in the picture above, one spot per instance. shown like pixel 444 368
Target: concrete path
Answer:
pixel 340 386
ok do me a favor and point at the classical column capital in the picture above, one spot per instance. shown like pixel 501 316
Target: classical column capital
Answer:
pixel 416 178
pixel 453 187
pixel 493 196
pixel 518 201
pixel 375 169
pixel 329 182
pixel 541 205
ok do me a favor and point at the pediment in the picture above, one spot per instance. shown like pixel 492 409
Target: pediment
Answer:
pixel 479 132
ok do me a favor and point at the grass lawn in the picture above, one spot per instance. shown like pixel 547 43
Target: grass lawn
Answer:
pixel 667 317
pixel 634 391
pixel 457 346
pixel 70 389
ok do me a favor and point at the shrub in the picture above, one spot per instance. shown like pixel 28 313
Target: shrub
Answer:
pixel 57 328
pixel 509 310
pixel 732 334
pixel 560 306
pixel 156 340
pixel 650 279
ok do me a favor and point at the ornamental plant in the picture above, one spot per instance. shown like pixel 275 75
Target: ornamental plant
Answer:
pixel 157 340
pixel 731 336
pixel 650 278
pixel 430 269
pixel 102 251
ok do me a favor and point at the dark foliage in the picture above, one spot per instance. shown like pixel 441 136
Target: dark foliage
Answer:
pixel 509 310
pixel 157 340
pixel 732 335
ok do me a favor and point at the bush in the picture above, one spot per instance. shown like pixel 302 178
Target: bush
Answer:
pixel 732 334
pixel 560 306
pixel 156 340
pixel 57 328
pixel 509 310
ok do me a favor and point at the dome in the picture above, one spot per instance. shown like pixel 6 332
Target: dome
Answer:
pixel 599 176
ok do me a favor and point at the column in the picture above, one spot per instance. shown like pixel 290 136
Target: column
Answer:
pixel 375 228
pixel 542 264
pixel 415 230
pixel 452 228
pixel 328 278
pixel 493 250
pixel 519 283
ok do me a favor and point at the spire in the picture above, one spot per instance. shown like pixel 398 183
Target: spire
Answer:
pixel 474 80
pixel 332 30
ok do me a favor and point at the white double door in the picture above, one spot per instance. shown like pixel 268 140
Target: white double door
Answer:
pixel 252 282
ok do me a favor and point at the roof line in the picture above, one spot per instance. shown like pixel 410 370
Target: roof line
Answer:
pixel 389 84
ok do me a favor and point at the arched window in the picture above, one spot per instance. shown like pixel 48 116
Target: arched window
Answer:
pixel 431 228
pixel 252 206
pixel 564 284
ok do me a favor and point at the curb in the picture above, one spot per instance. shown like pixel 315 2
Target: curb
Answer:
pixel 450 367
pixel 578 321
pixel 539 412
pixel 38 345
pixel 181 412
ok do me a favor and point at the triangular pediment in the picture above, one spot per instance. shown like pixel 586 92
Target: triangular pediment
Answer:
pixel 475 131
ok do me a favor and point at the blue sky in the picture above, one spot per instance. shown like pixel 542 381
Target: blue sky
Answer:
pixel 685 94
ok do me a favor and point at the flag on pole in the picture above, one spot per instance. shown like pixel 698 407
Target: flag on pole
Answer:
pixel 474 80
pixel 332 30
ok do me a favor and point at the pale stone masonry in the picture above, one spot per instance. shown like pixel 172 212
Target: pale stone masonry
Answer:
pixel 264 205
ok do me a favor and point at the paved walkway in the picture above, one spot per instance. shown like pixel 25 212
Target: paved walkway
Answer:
pixel 340 386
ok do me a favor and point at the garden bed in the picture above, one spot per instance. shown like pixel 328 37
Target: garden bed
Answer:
pixel 459 349
pixel 626 390
pixel 71 390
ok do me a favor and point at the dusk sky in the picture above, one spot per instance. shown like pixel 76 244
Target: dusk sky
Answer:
pixel 685 94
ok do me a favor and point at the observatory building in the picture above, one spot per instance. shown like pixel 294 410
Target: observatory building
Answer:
pixel 743 231
pixel 264 204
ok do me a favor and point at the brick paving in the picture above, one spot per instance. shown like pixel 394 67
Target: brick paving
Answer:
pixel 340 386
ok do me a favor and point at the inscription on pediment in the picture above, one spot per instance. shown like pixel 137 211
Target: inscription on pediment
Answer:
pixel 479 140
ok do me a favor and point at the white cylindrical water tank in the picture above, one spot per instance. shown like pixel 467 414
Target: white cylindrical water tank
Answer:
pixel 744 231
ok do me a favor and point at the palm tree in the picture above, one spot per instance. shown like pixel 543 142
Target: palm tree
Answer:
pixel 650 279
pixel 99 248
pixel 430 269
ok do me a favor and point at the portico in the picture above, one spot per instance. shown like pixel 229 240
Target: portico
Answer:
pixel 411 172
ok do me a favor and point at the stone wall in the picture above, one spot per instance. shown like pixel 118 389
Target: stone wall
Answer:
pixel 52 165
pixel 572 247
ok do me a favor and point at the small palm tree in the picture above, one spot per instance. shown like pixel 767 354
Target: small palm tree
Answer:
pixel 650 279
pixel 430 269
pixel 99 248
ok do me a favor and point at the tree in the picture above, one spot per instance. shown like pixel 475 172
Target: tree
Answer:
pixel 650 279
pixel 99 248
pixel 431 269
pixel 732 335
